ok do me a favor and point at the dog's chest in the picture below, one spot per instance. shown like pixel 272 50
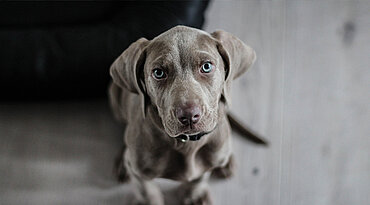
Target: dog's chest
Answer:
pixel 189 166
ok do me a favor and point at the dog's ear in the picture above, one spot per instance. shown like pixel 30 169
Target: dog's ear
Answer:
pixel 124 68
pixel 237 57
pixel 127 70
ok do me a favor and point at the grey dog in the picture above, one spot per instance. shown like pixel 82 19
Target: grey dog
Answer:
pixel 172 93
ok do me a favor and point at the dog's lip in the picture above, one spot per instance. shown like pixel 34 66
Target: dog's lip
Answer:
pixel 194 134
pixel 187 131
pixel 191 133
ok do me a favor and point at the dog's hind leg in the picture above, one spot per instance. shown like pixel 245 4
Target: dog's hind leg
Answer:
pixel 226 171
pixel 196 192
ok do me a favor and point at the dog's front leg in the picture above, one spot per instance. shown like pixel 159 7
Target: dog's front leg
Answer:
pixel 146 191
pixel 196 192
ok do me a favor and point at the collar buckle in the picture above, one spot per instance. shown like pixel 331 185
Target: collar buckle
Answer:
pixel 183 138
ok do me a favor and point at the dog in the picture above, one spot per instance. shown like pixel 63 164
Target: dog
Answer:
pixel 172 93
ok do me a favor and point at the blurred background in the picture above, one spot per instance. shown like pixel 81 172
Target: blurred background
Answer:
pixel 307 93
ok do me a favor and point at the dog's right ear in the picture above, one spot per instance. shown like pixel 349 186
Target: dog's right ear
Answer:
pixel 126 69
pixel 237 56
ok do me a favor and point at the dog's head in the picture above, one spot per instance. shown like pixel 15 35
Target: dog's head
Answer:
pixel 184 73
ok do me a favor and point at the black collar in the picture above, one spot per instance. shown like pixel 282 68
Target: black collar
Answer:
pixel 185 138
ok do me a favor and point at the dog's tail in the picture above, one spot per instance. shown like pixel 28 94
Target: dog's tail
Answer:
pixel 237 126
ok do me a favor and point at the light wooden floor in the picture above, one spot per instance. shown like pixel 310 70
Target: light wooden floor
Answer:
pixel 308 93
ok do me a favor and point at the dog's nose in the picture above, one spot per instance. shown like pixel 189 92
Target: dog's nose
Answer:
pixel 189 114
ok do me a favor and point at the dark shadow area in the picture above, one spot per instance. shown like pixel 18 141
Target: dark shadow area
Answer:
pixel 58 51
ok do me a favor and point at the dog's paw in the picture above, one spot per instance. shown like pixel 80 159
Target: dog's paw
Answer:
pixel 225 172
pixel 203 199
pixel 140 203
pixel 148 202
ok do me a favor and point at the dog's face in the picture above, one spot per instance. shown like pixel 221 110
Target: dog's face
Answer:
pixel 183 73
pixel 184 76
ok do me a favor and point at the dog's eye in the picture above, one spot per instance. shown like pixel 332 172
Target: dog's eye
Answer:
pixel 159 74
pixel 207 67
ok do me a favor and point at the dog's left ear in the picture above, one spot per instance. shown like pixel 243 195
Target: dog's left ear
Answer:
pixel 237 57
pixel 127 70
